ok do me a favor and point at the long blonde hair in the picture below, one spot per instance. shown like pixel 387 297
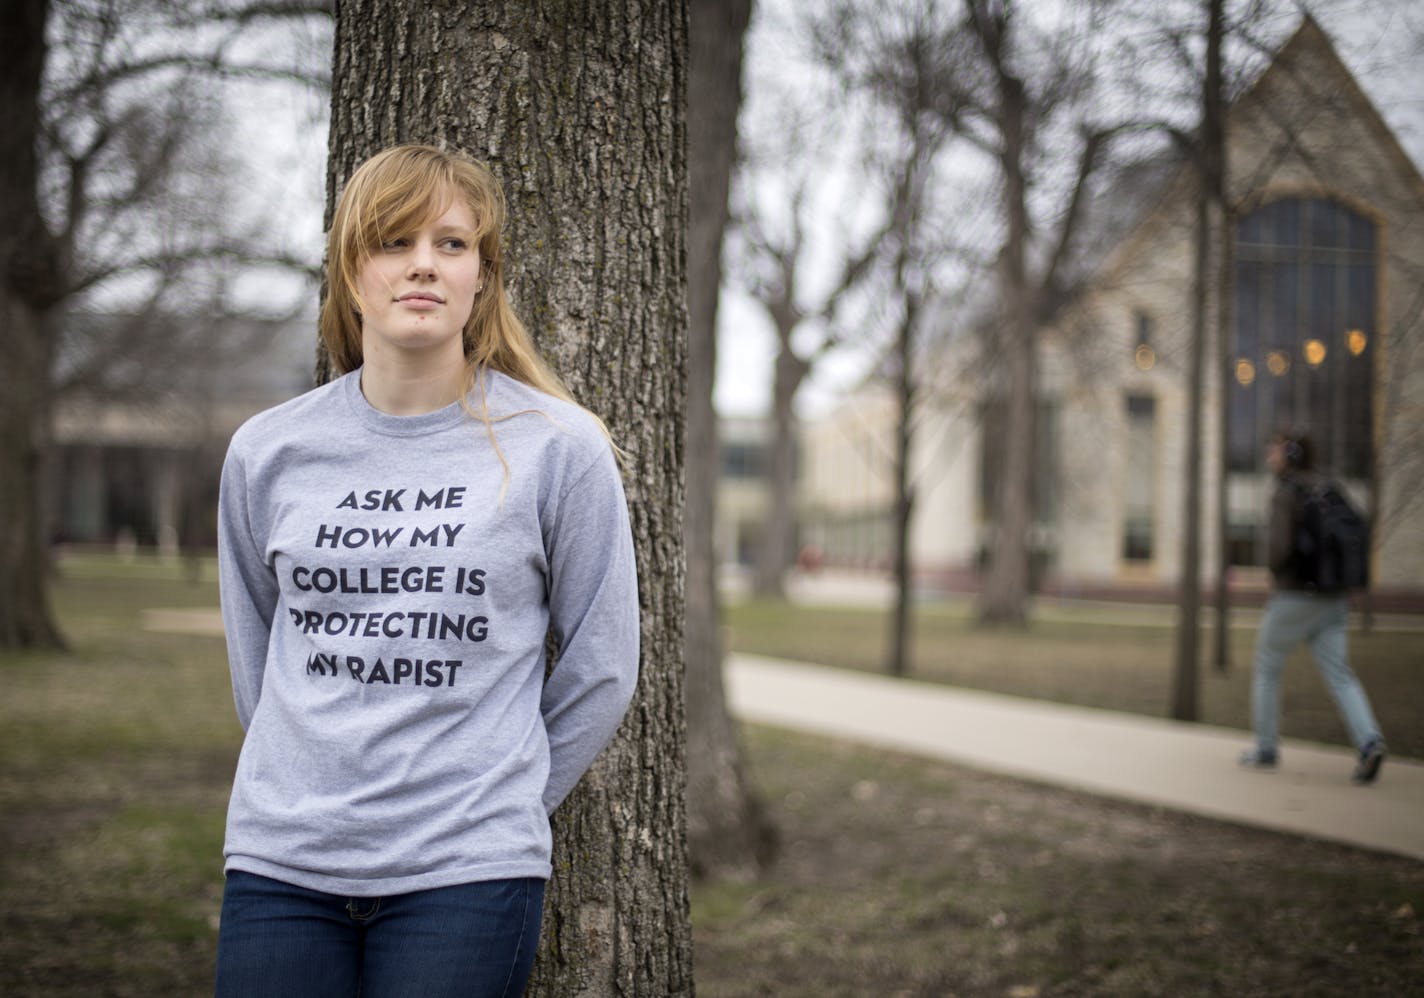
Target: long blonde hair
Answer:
pixel 395 192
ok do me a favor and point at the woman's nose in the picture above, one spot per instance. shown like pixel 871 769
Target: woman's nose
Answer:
pixel 422 258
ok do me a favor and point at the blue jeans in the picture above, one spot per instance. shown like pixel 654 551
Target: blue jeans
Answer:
pixel 1291 618
pixel 473 940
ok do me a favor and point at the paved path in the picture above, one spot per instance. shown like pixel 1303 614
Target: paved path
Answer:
pixel 1187 767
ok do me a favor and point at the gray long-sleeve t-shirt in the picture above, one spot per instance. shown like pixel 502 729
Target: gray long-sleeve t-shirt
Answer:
pixel 387 588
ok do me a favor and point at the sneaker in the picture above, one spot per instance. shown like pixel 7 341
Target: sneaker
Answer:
pixel 1371 757
pixel 1259 758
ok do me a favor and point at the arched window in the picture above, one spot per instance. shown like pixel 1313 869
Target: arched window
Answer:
pixel 1304 340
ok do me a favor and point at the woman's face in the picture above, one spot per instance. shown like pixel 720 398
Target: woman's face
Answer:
pixel 418 289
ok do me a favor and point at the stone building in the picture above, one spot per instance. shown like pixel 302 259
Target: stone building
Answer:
pixel 1325 333
pixel 137 464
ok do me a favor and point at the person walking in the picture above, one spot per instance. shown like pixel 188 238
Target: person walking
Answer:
pixel 397 549
pixel 1298 612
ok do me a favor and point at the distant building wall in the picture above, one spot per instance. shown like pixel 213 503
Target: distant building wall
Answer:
pixel 1115 369
pixel 145 471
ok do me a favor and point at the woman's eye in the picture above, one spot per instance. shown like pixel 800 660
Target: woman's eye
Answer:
pixel 456 244
pixel 395 244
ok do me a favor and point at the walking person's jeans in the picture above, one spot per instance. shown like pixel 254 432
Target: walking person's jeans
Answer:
pixel 1292 618
pixel 473 940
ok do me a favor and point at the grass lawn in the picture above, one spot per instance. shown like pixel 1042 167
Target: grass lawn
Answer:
pixel 115 766
pixel 895 875
pixel 902 877
pixel 1072 657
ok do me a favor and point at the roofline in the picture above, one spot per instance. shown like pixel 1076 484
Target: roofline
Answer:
pixel 1309 31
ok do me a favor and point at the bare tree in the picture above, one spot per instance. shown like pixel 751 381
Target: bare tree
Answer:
pixel 1210 155
pixel 772 269
pixel 112 203
pixel 799 247
pixel 913 285
pixel 1201 147
pixel 913 249
pixel 729 832
pixel 907 392
pixel 1205 151
pixel 584 121
pixel 1007 113
pixel 890 63
pixel 32 283
pixel 1015 94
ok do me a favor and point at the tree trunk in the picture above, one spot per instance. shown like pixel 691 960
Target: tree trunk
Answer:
pixel 30 287
pixel 778 541
pixel 899 660
pixel 1184 686
pixel 26 620
pixel 727 829
pixel 1225 291
pixel 580 110
pixel 1003 599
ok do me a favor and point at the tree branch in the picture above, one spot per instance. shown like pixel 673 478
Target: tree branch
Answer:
pixel 214 64
pixel 268 10
pixel 177 258
pixel 1093 143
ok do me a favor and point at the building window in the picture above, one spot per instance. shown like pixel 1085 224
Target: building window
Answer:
pixel 1144 354
pixel 1303 345
pixel 743 460
pixel 1140 492
pixel 1244 544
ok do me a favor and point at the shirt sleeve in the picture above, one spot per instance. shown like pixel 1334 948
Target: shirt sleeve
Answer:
pixel 593 616
pixel 248 586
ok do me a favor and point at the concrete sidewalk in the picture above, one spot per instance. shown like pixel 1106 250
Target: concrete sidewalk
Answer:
pixel 1186 767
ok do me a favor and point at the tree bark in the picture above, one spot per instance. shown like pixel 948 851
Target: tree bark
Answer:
pixel 728 832
pixel 30 287
pixel 899 660
pixel 580 110
pixel 1003 599
pixel 778 540
pixel 1184 675
pixel 1225 292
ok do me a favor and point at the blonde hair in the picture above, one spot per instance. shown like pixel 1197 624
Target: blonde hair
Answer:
pixel 394 193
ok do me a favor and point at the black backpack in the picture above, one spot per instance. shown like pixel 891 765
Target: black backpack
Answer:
pixel 1332 539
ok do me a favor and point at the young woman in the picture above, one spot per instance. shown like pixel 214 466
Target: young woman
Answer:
pixel 395 547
